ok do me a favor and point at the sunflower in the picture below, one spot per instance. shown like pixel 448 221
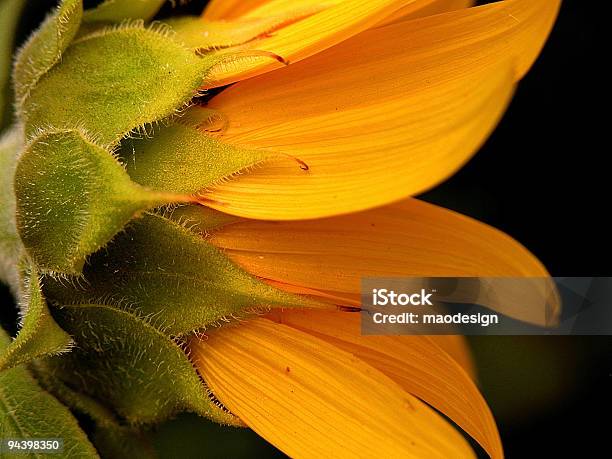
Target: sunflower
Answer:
pixel 289 179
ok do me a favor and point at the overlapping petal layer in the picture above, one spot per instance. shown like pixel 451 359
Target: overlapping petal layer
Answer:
pixel 386 114
pixel 328 257
pixel 228 10
pixel 417 363
pixel 312 399
pixel 333 21
pixel 316 35
pixel 425 8
pixel 222 10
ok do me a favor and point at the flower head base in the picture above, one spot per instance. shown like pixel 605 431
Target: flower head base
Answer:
pixel 172 250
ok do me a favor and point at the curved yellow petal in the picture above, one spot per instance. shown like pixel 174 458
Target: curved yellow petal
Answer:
pixel 362 157
pixel 230 9
pixel 408 239
pixel 417 363
pixel 214 36
pixel 427 8
pixel 334 23
pixel 387 114
pixel 274 7
pixel 223 10
pixel 457 347
pixel 312 399
pixel 407 9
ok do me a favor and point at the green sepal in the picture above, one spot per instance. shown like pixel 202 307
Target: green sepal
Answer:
pixel 119 10
pixel 27 412
pixel 110 436
pixel 10 12
pixel 39 334
pixel 10 245
pixel 131 365
pixel 73 196
pixel 181 159
pixel 159 269
pixel 45 46
pixel 116 81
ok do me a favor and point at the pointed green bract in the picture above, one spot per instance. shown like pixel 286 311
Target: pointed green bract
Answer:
pixel 131 365
pixel 10 245
pixel 72 198
pixel 116 81
pixel 118 10
pixel 181 159
pixel 162 270
pixel 45 47
pixel 28 412
pixel 39 335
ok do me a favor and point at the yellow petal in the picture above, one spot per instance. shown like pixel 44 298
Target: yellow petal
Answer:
pixel 417 363
pixel 407 9
pixel 457 347
pixel 387 114
pixel 409 239
pixel 311 399
pixel 360 157
pixel 427 8
pixel 274 7
pixel 206 36
pixel 337 21
pixel 230 9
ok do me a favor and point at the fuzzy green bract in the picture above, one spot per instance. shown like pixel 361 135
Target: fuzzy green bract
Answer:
pixel 72 198
pixel 45 47
pixel 130 364
pixel 116 81
pixel 119 10
pixel 159 269
pixel 181 159
pixel 27 412
pixel 39 335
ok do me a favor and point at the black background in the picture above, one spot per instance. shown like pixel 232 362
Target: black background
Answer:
pixel 542 177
